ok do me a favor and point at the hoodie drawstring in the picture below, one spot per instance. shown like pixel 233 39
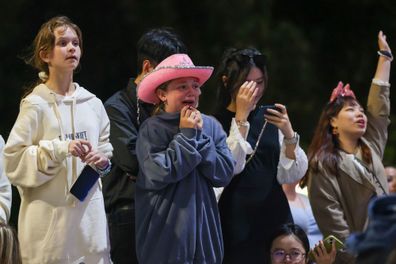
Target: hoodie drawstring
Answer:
pixel 74 161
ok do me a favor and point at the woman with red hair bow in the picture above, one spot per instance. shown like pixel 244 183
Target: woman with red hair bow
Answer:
pixel 345 168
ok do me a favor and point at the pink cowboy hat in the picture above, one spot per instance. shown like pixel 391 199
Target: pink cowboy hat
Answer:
pixel 174 67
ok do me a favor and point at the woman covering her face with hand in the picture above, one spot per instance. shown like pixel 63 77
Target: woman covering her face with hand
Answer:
pixel 267 152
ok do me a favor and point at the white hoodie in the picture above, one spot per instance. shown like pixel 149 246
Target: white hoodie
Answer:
pixel 54 227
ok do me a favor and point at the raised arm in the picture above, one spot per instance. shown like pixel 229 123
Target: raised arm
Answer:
pixel 378 104
pixel 293 162
pixel 384 60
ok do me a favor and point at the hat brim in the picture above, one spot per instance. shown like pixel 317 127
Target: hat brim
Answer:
pixel 149 84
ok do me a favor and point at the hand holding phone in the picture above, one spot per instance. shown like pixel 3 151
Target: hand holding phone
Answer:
pixel 273 107
pixel 328 242
pixel 325 249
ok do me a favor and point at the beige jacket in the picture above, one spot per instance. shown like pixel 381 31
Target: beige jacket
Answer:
pixel 339 203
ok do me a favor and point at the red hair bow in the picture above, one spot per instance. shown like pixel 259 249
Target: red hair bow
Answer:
pixel 341 90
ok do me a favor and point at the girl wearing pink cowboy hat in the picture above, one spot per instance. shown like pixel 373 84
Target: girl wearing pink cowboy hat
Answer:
pixel 182 154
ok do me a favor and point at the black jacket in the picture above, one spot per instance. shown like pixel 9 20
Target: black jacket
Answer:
pixel 122 109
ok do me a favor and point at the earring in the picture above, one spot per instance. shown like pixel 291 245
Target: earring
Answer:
pixel 335 131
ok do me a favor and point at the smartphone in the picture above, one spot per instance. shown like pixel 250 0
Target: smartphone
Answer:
pixel 328 243
pixel 271 107
pixel 84 182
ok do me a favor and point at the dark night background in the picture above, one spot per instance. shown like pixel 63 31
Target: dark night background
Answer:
pixel 311 45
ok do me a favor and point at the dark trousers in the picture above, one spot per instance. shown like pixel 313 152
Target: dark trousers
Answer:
pixel 122 235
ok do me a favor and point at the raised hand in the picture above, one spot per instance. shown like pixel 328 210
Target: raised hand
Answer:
pixel 382 43
pixel 246 100
pixel 281 120
pixel 382 73
pixel 190 118
pixel 200 120
pixel 322 256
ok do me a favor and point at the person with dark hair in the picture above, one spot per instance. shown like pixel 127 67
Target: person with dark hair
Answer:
pixel 127 113
pixel 182 155
pixel 289 244
pixel 61 128
pixel 345 155
pixel 267 152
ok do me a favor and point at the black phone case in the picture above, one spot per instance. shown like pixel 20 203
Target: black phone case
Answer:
pixel 266 107
pixel 84 182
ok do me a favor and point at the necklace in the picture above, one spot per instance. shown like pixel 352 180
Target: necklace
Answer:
pixel 257 143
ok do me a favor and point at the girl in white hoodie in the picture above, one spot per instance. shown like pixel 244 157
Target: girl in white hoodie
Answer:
pixel 61 127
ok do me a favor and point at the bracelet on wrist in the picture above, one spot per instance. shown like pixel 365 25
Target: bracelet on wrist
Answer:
pixel 386 54
pixel 292 141
pixel 105 170
pixel 242 123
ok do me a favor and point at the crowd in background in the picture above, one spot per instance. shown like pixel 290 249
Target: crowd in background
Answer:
pixel 172 185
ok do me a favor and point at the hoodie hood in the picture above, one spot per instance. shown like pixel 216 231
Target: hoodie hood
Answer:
pixel 43 94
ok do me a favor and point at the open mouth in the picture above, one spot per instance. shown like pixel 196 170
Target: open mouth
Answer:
pixel 361 123
pixel 189 102
pixel 71 58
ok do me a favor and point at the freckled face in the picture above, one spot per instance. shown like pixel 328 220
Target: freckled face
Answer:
pixel 66 52
pixel 180 92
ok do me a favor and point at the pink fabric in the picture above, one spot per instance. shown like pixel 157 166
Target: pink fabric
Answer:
pixel 341 90
pixel 174 67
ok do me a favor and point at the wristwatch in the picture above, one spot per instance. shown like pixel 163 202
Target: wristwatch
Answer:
pixel 293 140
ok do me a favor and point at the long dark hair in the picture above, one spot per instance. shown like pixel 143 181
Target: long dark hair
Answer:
pixel 235 70
pixel 324 148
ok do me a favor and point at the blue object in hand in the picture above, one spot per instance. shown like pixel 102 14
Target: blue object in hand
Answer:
pixel 84 182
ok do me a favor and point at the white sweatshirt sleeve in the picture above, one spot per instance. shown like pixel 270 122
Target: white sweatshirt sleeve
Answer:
pixel 29 161
pixel 290 170
pixel 5 189
pixel 239 149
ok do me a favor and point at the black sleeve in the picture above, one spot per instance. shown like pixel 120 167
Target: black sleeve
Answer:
pixel 123 135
